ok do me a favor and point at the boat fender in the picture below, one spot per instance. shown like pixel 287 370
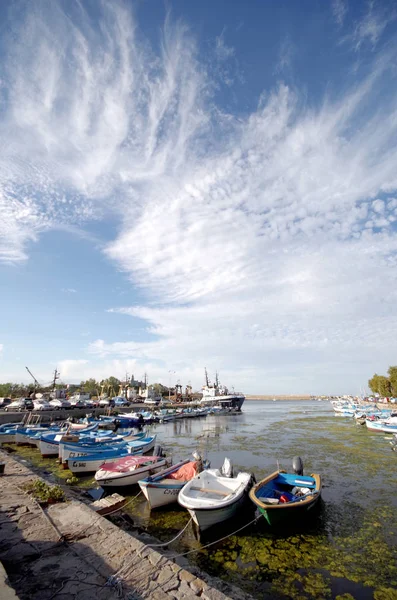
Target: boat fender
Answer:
pixel 297 465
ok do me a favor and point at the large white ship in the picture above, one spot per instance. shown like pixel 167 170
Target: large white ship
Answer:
pixel 217 394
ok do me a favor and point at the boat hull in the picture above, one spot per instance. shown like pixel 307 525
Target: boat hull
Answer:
pixel 381 427
pixel 161 494
pixel 236 401
pixel 290 514
pixel 48 449
pixel 129 478
pixel 79 466
pixel 7 438
pixel 208 517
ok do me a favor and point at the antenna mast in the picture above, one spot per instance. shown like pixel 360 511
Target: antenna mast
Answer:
pixel 56 376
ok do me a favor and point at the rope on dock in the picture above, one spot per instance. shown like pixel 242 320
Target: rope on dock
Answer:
pixel 173 539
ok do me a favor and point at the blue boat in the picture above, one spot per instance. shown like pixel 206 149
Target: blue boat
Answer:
pixel 89 463
pixel 284 497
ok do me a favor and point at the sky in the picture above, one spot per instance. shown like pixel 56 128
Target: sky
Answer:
pixel 199 184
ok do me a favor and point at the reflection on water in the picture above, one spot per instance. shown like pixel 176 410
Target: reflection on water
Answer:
pixel 347 547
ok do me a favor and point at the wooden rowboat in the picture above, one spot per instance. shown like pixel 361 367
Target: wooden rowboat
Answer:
pixel 285 496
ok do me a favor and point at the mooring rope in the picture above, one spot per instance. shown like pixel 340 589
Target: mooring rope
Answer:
pixel 216 541
pixel 173 539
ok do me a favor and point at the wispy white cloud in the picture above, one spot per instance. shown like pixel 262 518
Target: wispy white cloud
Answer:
pixel 69 290
pixel 262 242
pixel 222 50
pixel 370 28
pixel 286 53
pixel 339 10
pixel 1 348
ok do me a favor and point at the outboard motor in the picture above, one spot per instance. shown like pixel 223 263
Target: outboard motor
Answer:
pixel 297 465
pixel 158 451
pixel 202 464
pixel 117 424
pixel 227 468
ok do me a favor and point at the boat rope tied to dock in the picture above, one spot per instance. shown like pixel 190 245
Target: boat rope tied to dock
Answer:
pixel 119 574
pixel 216 541
pixel 173 539
pixel 116 583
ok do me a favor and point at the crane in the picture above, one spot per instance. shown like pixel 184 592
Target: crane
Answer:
pixel 36 383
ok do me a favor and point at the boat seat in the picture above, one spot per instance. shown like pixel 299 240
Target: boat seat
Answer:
pixel 209 491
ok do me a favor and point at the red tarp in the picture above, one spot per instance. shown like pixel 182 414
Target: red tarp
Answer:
pixel 125 463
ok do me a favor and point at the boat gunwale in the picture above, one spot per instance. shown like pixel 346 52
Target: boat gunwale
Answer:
pixel 231 498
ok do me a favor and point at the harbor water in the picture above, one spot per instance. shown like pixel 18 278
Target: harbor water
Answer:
pixel 348 548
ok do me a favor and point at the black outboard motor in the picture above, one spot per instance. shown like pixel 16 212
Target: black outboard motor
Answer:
pixel 297 465
pixel 158 451
pixel 117 424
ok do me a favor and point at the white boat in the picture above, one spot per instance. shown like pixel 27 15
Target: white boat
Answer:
pixel 383 425
pixel 163 488
pixel 213 497
pixel 49 447
pixel 220 395
pixel 129 470
pixel 7 437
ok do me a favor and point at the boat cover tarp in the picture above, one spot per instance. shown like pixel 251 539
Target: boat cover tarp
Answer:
pixel 129 463
pixel 186 472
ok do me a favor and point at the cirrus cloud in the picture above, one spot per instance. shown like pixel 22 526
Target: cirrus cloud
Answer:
pixel 262 241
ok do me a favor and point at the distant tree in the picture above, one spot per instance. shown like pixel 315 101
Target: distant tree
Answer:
pixel 384 386
pixel 373 384
pixel 380 384
pixel 392 371
pixel 159 388
pixel 5 390
pixel 113 382
pixel 90 386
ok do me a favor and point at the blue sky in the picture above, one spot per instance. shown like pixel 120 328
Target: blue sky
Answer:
pixel 199 184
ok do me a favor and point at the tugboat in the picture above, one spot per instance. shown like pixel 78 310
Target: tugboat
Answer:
pixel 216 394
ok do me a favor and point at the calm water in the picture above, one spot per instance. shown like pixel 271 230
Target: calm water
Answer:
pixel 348 547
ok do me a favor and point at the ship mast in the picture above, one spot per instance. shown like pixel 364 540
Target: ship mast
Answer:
pixel 206 377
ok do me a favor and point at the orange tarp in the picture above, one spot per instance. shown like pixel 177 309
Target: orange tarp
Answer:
pixel 186 472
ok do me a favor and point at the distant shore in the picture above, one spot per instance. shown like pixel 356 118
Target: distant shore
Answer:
pixel 257 397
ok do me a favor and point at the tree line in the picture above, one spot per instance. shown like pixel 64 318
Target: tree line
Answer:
pixel 90 386
pixel 384 386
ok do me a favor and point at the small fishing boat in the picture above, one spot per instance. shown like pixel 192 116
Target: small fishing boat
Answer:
pixel 164 487
pixel 388 425
pixel 215 495
pixel 138 446
pixel 129 470
pixel 284 496
pixel 49 442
